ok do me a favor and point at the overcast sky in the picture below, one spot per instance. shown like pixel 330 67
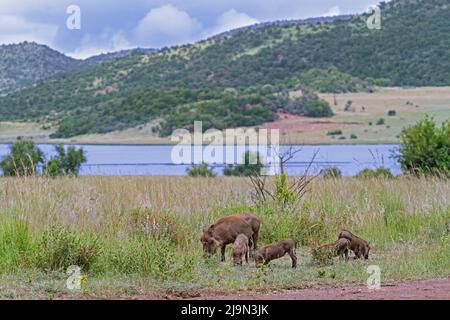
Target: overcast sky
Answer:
pixel 110 25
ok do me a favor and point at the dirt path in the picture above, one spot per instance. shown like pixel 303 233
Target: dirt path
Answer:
pixel 434 289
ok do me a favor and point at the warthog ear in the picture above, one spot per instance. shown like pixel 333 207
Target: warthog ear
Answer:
pixel 209 230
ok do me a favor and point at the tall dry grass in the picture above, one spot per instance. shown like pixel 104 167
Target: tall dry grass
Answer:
pixel 149 226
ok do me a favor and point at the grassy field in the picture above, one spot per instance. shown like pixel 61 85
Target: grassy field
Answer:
pixel 366 110
pixel 139 236
pixel 361 120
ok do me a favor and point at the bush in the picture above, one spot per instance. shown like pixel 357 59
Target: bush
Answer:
pixel 331 173
pixel 392 113
pixel 380 122
pixel 381 172
pixel 353 136
pixel 309 104
pixel 425 148
pixel 23 159
pixel 200 170
pixel 336 132
pixel 252 165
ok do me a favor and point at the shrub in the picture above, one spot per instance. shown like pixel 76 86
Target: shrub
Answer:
pixel 335 132
pixel 353 136
pixel 392 113
pixel 309 104
pixel 331 173
pixel 380 122
pixel 23 159
pixel 380 172
pixel 285 195
pixel 252 165
pixel 200 170
pixel 425 148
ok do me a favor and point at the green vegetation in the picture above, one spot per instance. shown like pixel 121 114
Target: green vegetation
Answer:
pixel 23 159
pixel 331 81
pixel 381 122
pixel 115 95
pixel 392 113
pixel 129 251
pixel 425 148
pixel 28 63
pixel 335 132
pixel 200 170
pixel 252 165
pixel 65 163
pixel 308 104
pixel 380 172
pixel 331 173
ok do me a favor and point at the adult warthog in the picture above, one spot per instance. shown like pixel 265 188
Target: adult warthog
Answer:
pixel 225 230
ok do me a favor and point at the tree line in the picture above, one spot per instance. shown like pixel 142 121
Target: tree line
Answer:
pixel 25 158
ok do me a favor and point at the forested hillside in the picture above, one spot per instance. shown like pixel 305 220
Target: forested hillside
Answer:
pixel 258 65
pixel 25 64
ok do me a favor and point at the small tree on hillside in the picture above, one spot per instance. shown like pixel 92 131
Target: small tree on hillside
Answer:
pixel 23 159
pixel 425 148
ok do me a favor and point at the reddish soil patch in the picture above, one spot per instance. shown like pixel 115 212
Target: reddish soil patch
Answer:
pixel 433 289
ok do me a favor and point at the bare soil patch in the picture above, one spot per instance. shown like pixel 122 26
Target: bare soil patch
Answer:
pixel 433 289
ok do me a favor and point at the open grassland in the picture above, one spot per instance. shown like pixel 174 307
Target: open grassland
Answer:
pixel 366 110
pixel 139 236
pixel 360 121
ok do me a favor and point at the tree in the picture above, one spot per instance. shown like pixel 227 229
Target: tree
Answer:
pixel 65 162
pixel 201 170
pixel 23 159
pixel 425 148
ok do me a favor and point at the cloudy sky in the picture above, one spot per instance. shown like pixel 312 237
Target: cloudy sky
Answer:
pixel 110 25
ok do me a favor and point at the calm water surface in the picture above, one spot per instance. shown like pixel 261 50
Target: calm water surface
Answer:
pixel 116 160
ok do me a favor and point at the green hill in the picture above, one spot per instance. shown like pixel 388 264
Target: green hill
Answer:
pixel 24 64
pixel 189 82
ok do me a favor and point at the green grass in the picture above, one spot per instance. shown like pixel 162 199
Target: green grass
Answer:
pixel 140 236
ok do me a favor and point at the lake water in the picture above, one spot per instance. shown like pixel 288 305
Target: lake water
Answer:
pixel 156 160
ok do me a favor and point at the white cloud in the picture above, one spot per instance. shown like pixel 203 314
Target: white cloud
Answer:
pixel 166 25
pixel 332 12
pixel 231 19
pixel 15 29
pixel 106 42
